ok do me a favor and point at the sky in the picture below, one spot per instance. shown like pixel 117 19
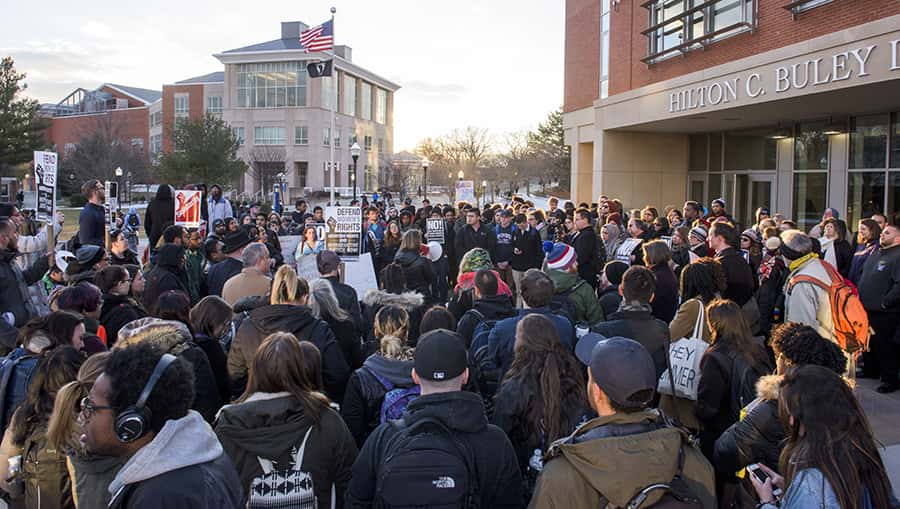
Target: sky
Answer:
pixel 495 64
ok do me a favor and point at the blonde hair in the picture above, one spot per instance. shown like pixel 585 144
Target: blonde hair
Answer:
pixel 324 303
pixel 287 287
pixel 62 430
pixel 411 241
pixel 391 329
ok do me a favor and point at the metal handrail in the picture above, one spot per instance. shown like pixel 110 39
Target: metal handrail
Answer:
pixel 696 40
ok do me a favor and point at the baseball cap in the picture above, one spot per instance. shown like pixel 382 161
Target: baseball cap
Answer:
pixel 327 261
pixel 440 355
pixel 621 367
pixel 506 213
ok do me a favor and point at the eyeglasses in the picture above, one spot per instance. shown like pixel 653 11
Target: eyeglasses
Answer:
pixel 88 408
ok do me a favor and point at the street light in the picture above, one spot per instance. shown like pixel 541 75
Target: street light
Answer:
pixel 460 174
pixel 483 190
pixel 425 163
pixel 354 153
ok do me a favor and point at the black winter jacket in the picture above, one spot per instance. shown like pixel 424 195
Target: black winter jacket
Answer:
pixel 374 300
pixel 418 272
pixel 528 242
pixel 14 296
pixel 467 238
pixel 610 300
pixel 586 245
pixel 348 299
pixel 220 273
pixel 160 214
pixel 641 326
pixel 361 408
pixel 167 274
pixel 118 310
pixel 347 337
pixel 491 307
pixel 499 480
pixel 740 282
pixel 218 362
pixel 127 258
pixel 665 296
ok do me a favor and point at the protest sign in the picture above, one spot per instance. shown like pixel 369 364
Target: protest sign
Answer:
pixel 465 191
pixel 360 274
pixel 343 232
pixel 45 185
pixel 434 230
pixel 625 250
pixel 187 208
pixel 307 268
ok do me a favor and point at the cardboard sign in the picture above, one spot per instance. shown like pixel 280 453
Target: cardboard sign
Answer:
pixel 465 191
pixel 434 230
pixel 625 250
pixel 343 231
pixel 307 268
pixel 360 274
pixel 187 208
pixel 668 240
pixel 45 185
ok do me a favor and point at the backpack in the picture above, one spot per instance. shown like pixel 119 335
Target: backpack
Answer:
pixel 487 372
pixel 44 471
pixel 287 488
pixel 426 469
pixel 851 323
pixel 743 385
pixel 395 399
pixel 12 395
pixel 676 493
pixel 562 304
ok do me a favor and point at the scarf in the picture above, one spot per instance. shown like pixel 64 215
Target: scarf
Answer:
pixel 800 261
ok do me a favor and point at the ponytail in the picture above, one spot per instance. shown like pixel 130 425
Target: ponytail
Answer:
pixel 287 287
pixel 62 430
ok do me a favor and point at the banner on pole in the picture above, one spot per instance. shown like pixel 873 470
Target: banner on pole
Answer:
pixel 465 191
pixel 187 208
pixel 45 185
pixel 434 230
pixel 344 231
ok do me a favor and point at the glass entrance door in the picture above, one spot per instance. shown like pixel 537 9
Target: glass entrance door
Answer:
pixel 750 191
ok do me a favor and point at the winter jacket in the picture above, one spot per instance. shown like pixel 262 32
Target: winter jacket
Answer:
pixel 183 467
pixel 665 296
pixel 118 310
pixel 469 238
pixel 487 308
pixel 528 242
pixel 127 258
pixel 299 321
pixel 272 426
pixel 613 458
pixel 859 260
pixel 374 300
pixel 167 274
pixel 218 209
pixel 418 272
pixel 14 296
pixel 348 300
pixel 740 281
pixel 502 339
pixel 347 337
pixel 463 293
pixel 638 323
pixel 583 299
pixel 160 214
pixel 771 293
pixel 684 410
pixel 33 246
pixel 249 282
pixel 808 303
pixel 839 254
pixel 609 300
pixel 194 264
pixel 499 481
pixel 92 476
pixel 220 273
pixel 879 284
pixel 586 246
pixel 20 378
pixel 218 363
pixel 92 225
pixel 361 408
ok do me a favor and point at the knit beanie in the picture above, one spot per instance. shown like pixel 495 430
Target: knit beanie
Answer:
pixel 699 232
pixel 614 271
pixel 561 257
pixel 720 201
pixel 476 259
pixel 753 235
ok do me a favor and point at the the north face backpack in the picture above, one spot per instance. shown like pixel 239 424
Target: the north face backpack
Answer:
pixel 13 389
pixel 487 372
pixel 676 494
pixel 851 323
pixel 426 466
pixel 283 488
pixel 395 399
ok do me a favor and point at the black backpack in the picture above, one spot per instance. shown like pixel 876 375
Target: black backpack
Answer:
pixel 486 371
pixel 562 304
pixel 676 493
pixel 426 466
pixel 743 385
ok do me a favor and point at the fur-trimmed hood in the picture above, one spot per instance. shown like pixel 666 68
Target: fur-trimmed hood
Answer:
pixel 767 387
pixel 408 300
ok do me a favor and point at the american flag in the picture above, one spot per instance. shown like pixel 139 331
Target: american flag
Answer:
pixel 320 38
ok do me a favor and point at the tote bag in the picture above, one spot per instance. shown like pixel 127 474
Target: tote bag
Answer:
pixel 684 361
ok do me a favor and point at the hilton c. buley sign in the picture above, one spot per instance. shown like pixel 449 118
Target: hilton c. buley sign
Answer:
pixel 849 64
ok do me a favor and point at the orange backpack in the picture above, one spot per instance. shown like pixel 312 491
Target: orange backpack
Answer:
pixel 851 322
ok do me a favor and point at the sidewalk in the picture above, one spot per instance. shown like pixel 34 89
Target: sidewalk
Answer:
pixel 883 411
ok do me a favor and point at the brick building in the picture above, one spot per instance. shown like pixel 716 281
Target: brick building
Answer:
pixel 791 104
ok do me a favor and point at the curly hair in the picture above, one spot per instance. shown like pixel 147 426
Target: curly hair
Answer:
pixel 705 278
pixel 801 344
pixel 130 368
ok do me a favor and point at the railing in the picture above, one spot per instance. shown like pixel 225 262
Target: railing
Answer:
pixel 798 6
pixel 684 22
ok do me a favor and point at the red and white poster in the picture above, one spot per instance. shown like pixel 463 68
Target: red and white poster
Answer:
pixel 187 208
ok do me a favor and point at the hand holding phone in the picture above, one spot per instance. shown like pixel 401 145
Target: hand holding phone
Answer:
pixel 766 479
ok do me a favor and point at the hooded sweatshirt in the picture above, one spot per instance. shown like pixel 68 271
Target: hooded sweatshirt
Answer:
pixel 160 213
pixel 361 408
pixel 168 274
pixel 374 300
pixel 184 466
pixel 272 426
pixel 299 321
pixel 612 458
pixel 583 299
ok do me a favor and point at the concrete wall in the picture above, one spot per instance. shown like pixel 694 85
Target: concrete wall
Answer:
pixel 643 168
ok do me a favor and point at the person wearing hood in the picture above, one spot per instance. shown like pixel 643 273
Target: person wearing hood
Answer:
pixel 562 269
pixel 462 297
pixel 488 305
pixel 387 369
pixel 417 268
pixel 818 231
pixel 217 206
pixel 440 369
pixel 392 292
pixel 118 307
pixel 406 222
pixel 282 419
pixel 628 447
pixel 288 311
pixel 119 252
pixel 172 457
pixel 610 279
pixel 167 274
pixel 160 213
pixel 611 236
pixel 89 259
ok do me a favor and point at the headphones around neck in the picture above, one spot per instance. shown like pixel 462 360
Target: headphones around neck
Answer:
pixel 132 423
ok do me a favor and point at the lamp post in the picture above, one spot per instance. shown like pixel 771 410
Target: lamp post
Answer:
pixel 354 153
pixel 483 190
pixel 128 187
pixel 425 163
pixel 118 184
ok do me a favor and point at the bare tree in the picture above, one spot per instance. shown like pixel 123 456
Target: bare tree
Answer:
pixel 101 148
pixel 265 163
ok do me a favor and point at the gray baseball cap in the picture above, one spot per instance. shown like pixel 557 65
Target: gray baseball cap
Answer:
pixel 621 367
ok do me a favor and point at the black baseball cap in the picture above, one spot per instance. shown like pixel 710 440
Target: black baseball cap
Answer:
pixel 440 355
pixel 621 367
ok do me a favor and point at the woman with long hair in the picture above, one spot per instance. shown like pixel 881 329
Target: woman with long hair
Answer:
pixel 210 319
pixel 665 296
pixel 867 241
pixel 542 397
pixel 91 473
pixel 283 419
pixel 42 477
pixel 174 305
pixel 391 292
pixel 310 245
pixel 391 244
pixel 835 248
pixel 324 305
pixel 417 268
pixel 681 248
pixel 118 307
pixel 612 239
pixel 387 369
pixel 751 241
pixel 831 459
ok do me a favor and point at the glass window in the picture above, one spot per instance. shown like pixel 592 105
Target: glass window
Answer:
pixel 894 195
pixel 699 143
pixel 868 141
pixel 680 26
pixel 156 144
pixel 214 104
pixel 865 195
pixel 301 168
pixel 337 137
pixel 367 140
pixel 811 147
pixel 604 48
pixel 715 152
pixel 809 198
pixel 365 101
pixel 301 135
pixel 327 92
pixel 268 135
pixel 749 150
pixel 238 134
pixel 271 85
pixel 895 141
pixel 715 186
pixel 381 106
pixel 349 95
pixel 326 136
pixel 182 107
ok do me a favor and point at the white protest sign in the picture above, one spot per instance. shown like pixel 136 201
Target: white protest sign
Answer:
pixel 465 191
pixel 45 185
pixel 360 274
pixel 344 231
pixel 434 230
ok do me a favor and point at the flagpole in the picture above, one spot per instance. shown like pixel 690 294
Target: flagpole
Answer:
pixel 334 77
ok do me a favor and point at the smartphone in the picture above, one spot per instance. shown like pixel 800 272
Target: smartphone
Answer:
pixel 762 476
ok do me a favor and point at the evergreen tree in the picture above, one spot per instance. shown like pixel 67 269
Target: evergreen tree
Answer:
pixel 21 129
pixel 206 151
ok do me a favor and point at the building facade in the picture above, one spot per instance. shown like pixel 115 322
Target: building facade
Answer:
pixel 793 105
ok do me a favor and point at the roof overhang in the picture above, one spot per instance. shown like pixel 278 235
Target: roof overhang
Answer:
pixel 129 94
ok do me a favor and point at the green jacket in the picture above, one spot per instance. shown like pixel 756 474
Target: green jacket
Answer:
pixel 587 307
pixel 615 457
pixel 193 267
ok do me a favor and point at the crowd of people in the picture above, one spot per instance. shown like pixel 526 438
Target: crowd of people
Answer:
pixel 510 356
